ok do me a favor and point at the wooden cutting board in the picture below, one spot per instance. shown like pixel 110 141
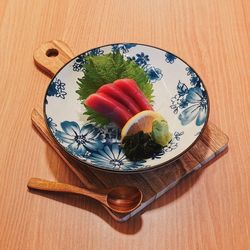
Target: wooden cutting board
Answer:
pixel 50 57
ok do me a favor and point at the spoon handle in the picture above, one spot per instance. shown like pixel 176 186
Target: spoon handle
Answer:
pixel 36 183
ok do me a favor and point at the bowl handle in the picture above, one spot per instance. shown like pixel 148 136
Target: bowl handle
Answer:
pixel 51 56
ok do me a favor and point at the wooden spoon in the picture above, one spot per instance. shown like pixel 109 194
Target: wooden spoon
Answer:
pixel 122 199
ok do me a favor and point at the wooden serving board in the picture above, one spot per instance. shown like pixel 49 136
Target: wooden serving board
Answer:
pixel 50 57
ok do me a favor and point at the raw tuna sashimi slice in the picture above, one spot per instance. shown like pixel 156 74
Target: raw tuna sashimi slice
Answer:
pixel 129 87
pixel 109 108
pixel 113 91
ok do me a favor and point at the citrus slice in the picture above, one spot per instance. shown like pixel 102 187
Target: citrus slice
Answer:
pixel 140 122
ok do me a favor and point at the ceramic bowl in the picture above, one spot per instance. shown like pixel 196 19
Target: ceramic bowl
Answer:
pixel 179 95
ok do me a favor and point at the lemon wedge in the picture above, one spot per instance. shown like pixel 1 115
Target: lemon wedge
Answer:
pixel 142 121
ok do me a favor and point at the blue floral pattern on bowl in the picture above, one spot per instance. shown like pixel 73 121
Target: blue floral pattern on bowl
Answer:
pixel 113 157
pixel 57 89
pixel 170 58
pixel 179 95
pixel 190 103
pixel 122 47
pixel 154 74
pixel 79 140
pixel 100 146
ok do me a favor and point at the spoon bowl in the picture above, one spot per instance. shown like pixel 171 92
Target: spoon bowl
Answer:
pixel 124 199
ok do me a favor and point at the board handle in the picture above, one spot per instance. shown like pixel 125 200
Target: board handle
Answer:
pixel 51 56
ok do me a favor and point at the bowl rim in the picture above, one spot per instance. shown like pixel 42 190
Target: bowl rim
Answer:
pixel 102 169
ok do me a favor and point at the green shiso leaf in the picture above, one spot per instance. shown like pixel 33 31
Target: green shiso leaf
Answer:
pixel 95 117
pixel 103 69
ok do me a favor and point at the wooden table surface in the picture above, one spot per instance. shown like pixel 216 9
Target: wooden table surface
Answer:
pixel 208 210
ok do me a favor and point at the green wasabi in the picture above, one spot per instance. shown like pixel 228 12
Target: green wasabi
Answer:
pixel 160 132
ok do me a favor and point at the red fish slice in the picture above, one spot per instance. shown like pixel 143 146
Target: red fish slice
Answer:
pixel 109 108
pixel 129 87
pixel 113 91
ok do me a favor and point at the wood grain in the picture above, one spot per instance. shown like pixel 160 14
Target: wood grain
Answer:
pixel 210 209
